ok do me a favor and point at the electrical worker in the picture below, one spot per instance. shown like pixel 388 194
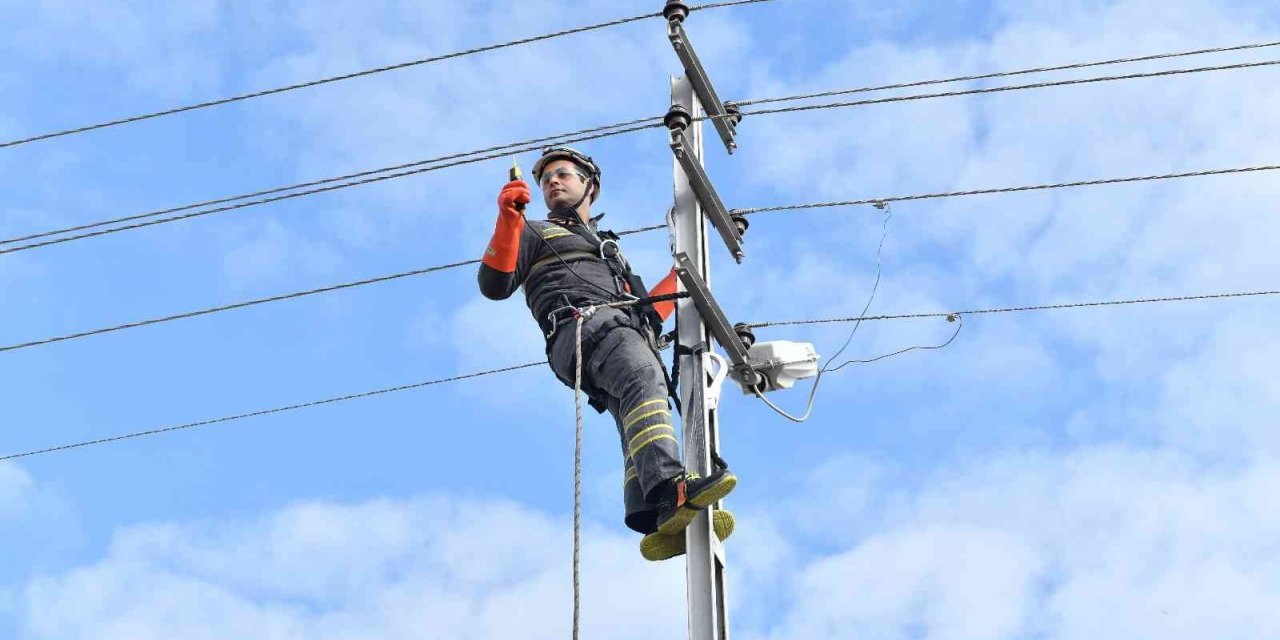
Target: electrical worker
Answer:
pixel 564 264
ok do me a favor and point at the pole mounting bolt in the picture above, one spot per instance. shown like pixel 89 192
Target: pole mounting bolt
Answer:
pixel 675 11
pixel 678 118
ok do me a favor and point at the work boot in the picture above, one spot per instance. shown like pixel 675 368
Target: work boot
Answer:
pixel 687 494
pixel 656 546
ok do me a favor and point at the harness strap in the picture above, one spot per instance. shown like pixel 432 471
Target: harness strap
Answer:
pixel 567 256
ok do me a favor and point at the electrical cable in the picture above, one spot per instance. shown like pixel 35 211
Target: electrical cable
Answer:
pixel 1037 187
pixel 254 414
pixel 957 318
pixel 971 92
pixel 238 305
pixel 359 74
pixel 425 270
pixel 1046 307
pixel 1005 74
pixel 350 176
pixel 507 150
pixel 813 391
pixel 194 214
pixel 782 412
pixel 1218 296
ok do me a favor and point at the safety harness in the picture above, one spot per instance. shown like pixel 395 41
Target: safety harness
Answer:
pixel 637 314
pixel 627 284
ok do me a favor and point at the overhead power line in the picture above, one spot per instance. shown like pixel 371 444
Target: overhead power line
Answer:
pixel 240 305
pixel 1045 307
pixel 359 74
pixel 1006 74
pixel 454 265
pixel 307 192
pixel 1035 187
pixel 264 412
pixel 1019 87
pixel 605 131
pixel 378 392
pixel 341 178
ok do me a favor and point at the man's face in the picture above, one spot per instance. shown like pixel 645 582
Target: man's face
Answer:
pixel 562 184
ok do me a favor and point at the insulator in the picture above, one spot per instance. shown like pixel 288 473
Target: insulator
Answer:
pixel 675 11
pixel 740 221
pixel 745 334
pixel 678 118
pixel 735 114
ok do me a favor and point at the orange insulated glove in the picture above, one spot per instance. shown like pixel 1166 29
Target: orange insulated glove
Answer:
pixel 504 247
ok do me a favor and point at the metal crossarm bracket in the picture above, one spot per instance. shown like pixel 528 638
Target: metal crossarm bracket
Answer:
pixel 716 322
pixel 725 121
pixel 677 119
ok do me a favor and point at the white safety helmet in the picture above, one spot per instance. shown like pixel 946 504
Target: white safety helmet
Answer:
pixel 578 158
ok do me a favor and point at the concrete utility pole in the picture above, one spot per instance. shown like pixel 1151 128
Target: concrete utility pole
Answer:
pixel 708 602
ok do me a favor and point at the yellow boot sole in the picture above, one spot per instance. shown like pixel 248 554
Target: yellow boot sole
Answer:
pixel 658 547
pixel 709 496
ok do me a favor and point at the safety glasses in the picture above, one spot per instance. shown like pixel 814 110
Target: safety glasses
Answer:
pixel 563 173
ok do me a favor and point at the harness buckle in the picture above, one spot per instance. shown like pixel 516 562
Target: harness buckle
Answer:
pixel 553 319
pixel 605 243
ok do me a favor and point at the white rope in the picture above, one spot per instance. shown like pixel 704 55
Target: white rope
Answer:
pixel 581 316
pixel 577 474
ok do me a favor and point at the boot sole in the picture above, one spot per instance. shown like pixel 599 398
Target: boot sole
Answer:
pixel 709 496
pixel 656 547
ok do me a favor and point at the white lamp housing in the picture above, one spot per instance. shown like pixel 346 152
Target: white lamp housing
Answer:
pixel 781 363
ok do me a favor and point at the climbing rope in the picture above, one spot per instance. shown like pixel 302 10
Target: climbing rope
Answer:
pixel 577 472
pixel 580 316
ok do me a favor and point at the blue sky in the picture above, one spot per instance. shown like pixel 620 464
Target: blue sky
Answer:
pixel 1095 473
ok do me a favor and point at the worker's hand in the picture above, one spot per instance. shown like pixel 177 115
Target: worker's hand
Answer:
pixel 515 193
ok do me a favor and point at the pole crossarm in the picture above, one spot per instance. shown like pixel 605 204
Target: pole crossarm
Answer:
pixel 678 121
pixel 725 118
pixel 714 317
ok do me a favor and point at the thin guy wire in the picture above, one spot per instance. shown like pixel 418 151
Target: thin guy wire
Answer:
pixel 308 192
pixel 1047 307
pixel 534 364
pixel 813 391
pixel 1005 74
pixel 238 305
pixel 1037 187
pixel 192 425
pixel 341 178
pixel 957 318
pixel 1020 87
pixel 638 231
pixel 358 74
pixel 782 412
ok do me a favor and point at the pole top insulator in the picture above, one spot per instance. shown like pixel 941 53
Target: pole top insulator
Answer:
pixel 745 334
pixel 741 222
pixel 675 11
pixel 678 118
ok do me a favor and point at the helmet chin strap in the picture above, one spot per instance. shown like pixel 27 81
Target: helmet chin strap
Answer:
pixel 574 207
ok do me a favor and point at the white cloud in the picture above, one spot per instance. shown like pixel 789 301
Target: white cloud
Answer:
pixel 150 43
pixel 1106 542
pixel 16 487
pixel 266 251
pixel 439 567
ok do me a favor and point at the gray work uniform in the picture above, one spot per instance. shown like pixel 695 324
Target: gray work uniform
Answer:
pixel 621 370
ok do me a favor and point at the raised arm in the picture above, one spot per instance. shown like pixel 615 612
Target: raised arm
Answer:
pixel 498 278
